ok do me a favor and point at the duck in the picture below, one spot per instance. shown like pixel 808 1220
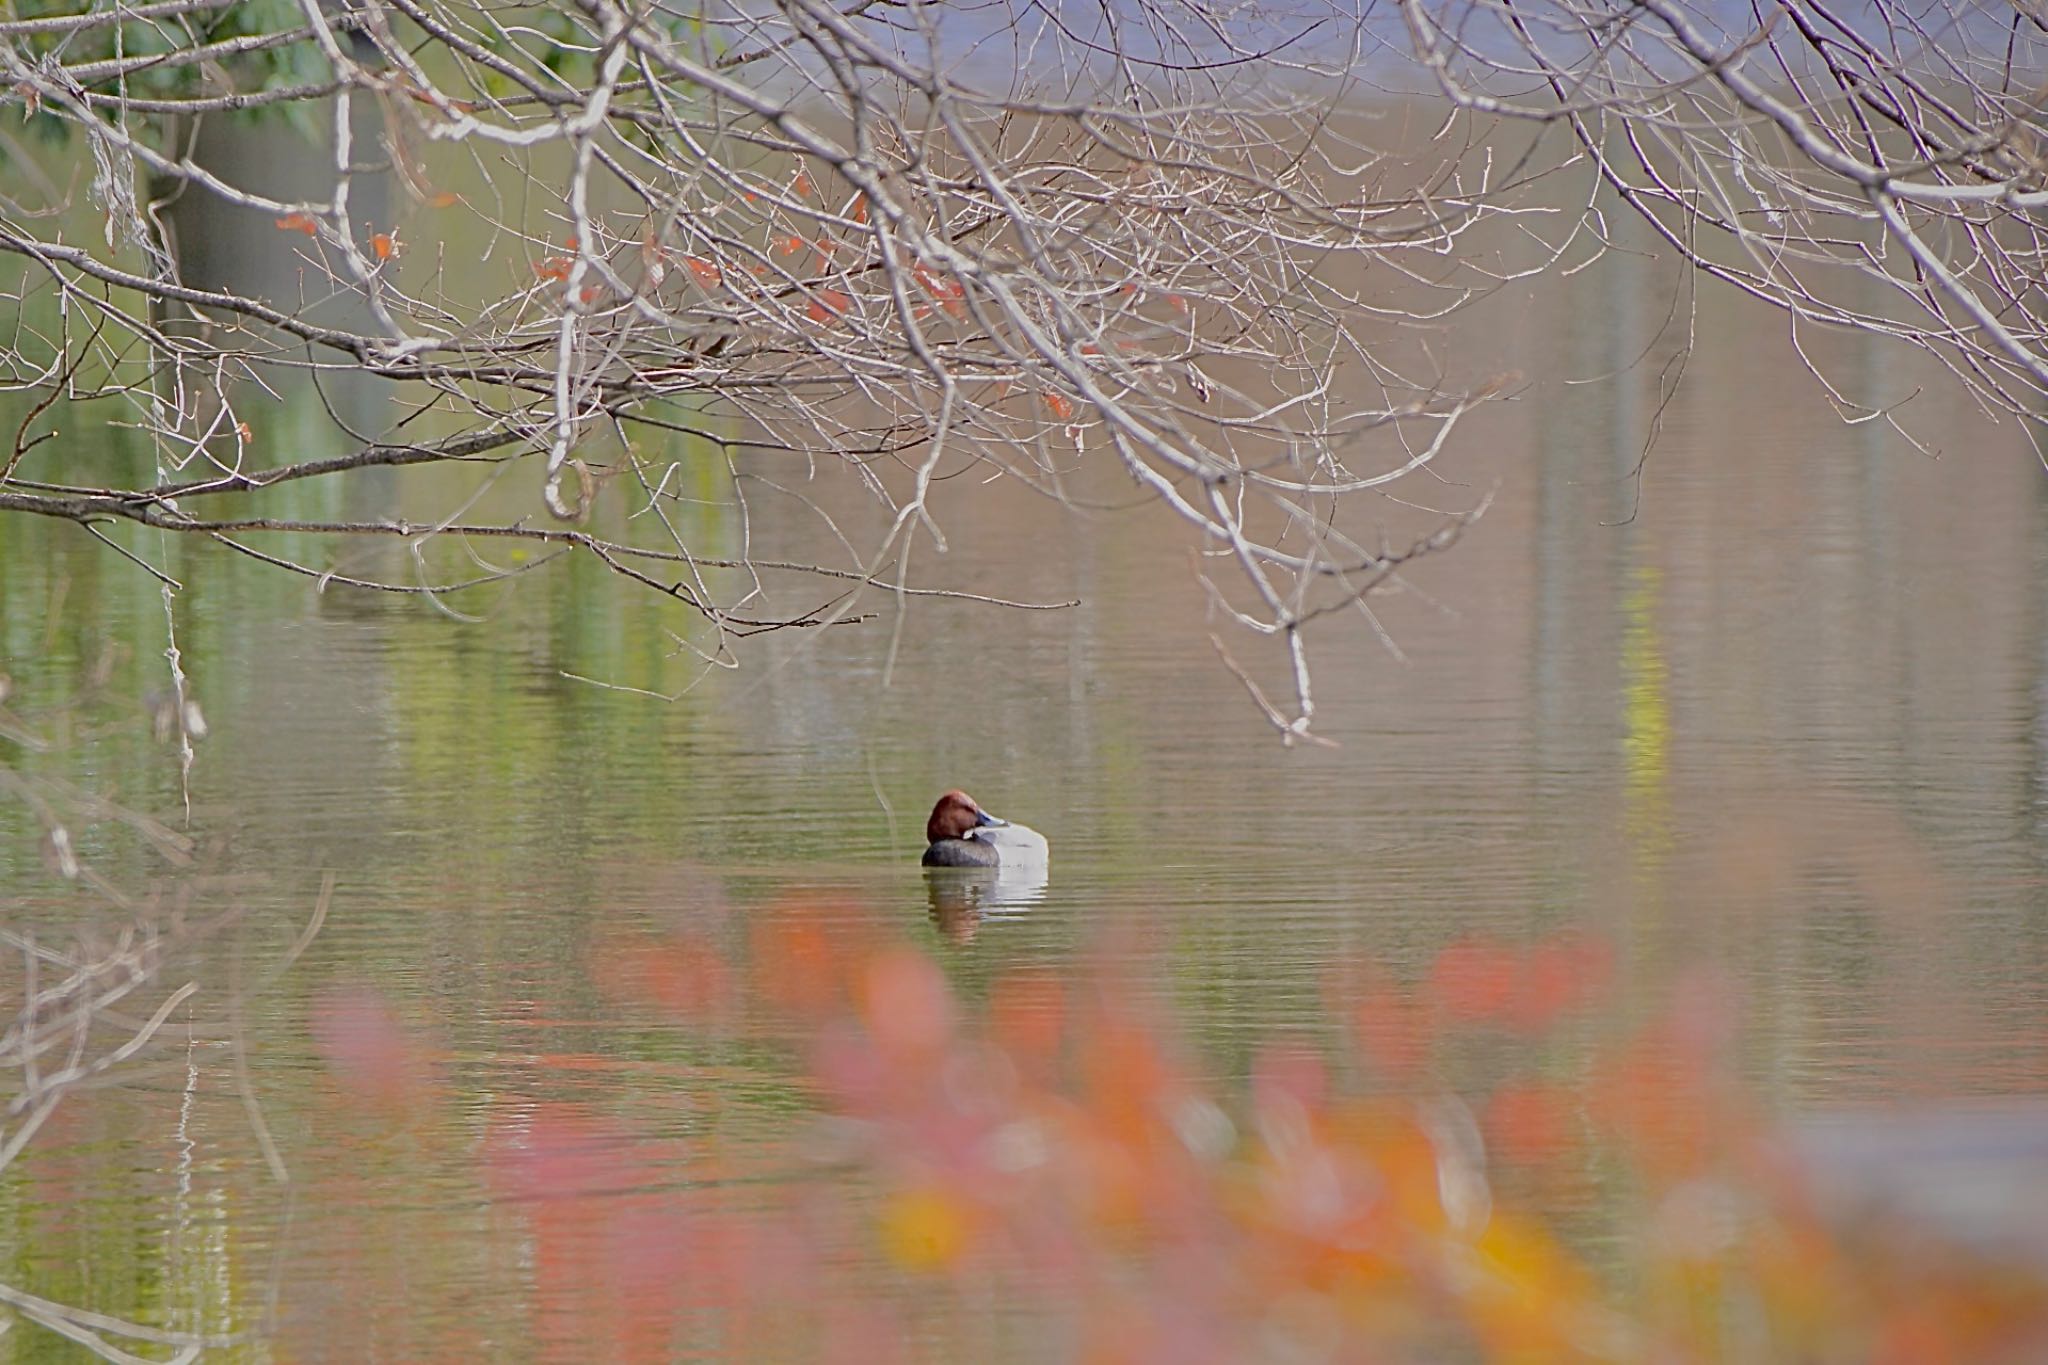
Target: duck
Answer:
pixel 962 834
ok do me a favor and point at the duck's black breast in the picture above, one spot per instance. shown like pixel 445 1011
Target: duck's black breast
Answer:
pixel 961 853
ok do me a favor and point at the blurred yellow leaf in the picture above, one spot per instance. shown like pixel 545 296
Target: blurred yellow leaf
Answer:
pixel 923 1229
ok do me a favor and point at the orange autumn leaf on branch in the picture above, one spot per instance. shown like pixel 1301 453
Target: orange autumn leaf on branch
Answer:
pixel 386 244
pixel 299 222
pixel 1059 405
pixel 706 273
pixel 553 268
pixel 828 304
pixel 949 293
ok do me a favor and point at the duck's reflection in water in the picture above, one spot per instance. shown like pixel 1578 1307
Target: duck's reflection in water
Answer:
pixel 962 898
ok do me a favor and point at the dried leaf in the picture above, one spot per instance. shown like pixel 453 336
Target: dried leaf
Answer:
pixel 828 304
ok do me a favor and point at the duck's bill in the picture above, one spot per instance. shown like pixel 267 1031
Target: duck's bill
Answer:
pixel 992 821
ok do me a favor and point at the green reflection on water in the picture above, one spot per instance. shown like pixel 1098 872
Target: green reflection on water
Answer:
pixel 1646 708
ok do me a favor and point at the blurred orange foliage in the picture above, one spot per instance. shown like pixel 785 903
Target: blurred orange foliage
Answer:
pixel 1037 1146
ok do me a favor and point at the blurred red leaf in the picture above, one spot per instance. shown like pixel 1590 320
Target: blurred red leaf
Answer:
pixel 1389 1028
pixel 367 1050
pixel 1292 1072
pixel 795 965
pixel 1027 1015
pixel 1473 979
pixel 908 1006
pixel 1528 1124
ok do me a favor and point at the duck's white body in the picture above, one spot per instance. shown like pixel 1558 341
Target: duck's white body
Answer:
pixel 1019 848
pixel 1023 868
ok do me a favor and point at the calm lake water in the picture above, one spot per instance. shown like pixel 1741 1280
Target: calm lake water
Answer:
pixel 1772 715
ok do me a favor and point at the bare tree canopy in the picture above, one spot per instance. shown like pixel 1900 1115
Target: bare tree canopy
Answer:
pixel 1874 166
pixel 900 241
